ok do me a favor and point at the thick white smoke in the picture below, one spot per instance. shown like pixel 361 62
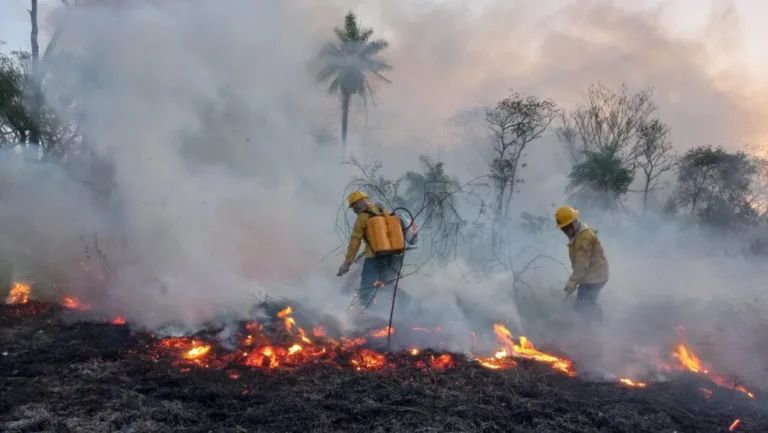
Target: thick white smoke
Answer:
pixel 209 114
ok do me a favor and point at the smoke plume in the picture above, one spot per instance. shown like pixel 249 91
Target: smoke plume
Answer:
pixel 219 188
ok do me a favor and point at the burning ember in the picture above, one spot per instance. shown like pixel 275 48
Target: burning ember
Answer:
pixel 74 305
pixel 19 293
pixel 734 425
pixel 367 359
pixel 382 333
pixel 632 383
pixel 524 349
pixel 289 346
pixel 689 361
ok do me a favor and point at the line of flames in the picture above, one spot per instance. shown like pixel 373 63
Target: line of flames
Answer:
pixel 262 353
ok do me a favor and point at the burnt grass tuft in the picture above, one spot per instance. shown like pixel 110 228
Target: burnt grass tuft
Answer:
pixel 93 377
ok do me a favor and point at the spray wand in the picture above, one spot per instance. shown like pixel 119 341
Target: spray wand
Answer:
pixel 399 274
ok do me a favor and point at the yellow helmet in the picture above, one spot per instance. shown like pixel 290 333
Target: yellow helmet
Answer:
pixel 355 196
pixel 565 215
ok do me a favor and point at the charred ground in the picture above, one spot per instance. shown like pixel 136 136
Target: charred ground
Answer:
pixel 99 377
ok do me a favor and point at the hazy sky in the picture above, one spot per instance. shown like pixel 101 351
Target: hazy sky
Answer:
pixel 684 16
pixel 733 29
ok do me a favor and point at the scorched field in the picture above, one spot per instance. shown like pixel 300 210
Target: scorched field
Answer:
pixel 66 371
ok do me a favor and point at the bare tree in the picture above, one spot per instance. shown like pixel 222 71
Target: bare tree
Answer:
pixel 568 135
pixel 513 124
pixel 607 123
pixel 36 106
pixel 655 155
pixel 758 197
pixel 39 70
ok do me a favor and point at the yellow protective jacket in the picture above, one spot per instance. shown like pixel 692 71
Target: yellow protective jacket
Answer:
pixel 587 258
pixel 358 233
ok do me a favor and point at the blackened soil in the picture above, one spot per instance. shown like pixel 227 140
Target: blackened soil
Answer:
pixel 92 377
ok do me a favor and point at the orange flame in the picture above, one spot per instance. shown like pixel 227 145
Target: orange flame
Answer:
pixel 367 359
pixel 118 321
pixel 632 383
pixel 690 361
pixel 381 333
pixel 197 351
pixel 19 293
pixel 734 425
pixel 525 349
pixel 441 362
pixel 74 305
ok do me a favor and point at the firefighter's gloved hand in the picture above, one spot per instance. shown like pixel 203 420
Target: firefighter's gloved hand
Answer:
pixel 570 287
pixel 343 269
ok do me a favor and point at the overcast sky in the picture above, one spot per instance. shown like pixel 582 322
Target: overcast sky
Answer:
pixel 737 47
pixel 683 16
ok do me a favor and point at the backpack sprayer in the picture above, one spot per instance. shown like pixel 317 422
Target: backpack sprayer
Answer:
pixel 390 234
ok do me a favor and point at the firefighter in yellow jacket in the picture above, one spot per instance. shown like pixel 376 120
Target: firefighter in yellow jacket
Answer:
pixel 590 267
pixel 378 272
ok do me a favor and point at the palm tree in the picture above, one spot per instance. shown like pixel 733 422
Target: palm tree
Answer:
pixel 346 64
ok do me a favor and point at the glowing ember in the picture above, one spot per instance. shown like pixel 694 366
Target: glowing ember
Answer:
pixel 257 347
pixel 197 352
pixel 74 305
pixel 734 425
pixel 368 360
pixel 19 293
pixel 632 383
pixel 381 333
pixel 441 362
pixel 264 357
pixel 498 361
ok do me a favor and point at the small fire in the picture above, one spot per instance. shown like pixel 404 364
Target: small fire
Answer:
pixel 198 351
pixel 285 314
pixel 72 304
pixel 632 383
pixel 441 362
pixel 498 361
pixel 367 359
pixel 19 293
pixel 525 349
pixel 257 348
pixel 690 361
pixel 381 333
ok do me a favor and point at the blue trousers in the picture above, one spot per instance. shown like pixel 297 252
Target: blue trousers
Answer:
pixel 379 273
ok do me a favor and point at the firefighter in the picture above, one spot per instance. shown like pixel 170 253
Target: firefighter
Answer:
pixel 590 267
pixel 378 272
